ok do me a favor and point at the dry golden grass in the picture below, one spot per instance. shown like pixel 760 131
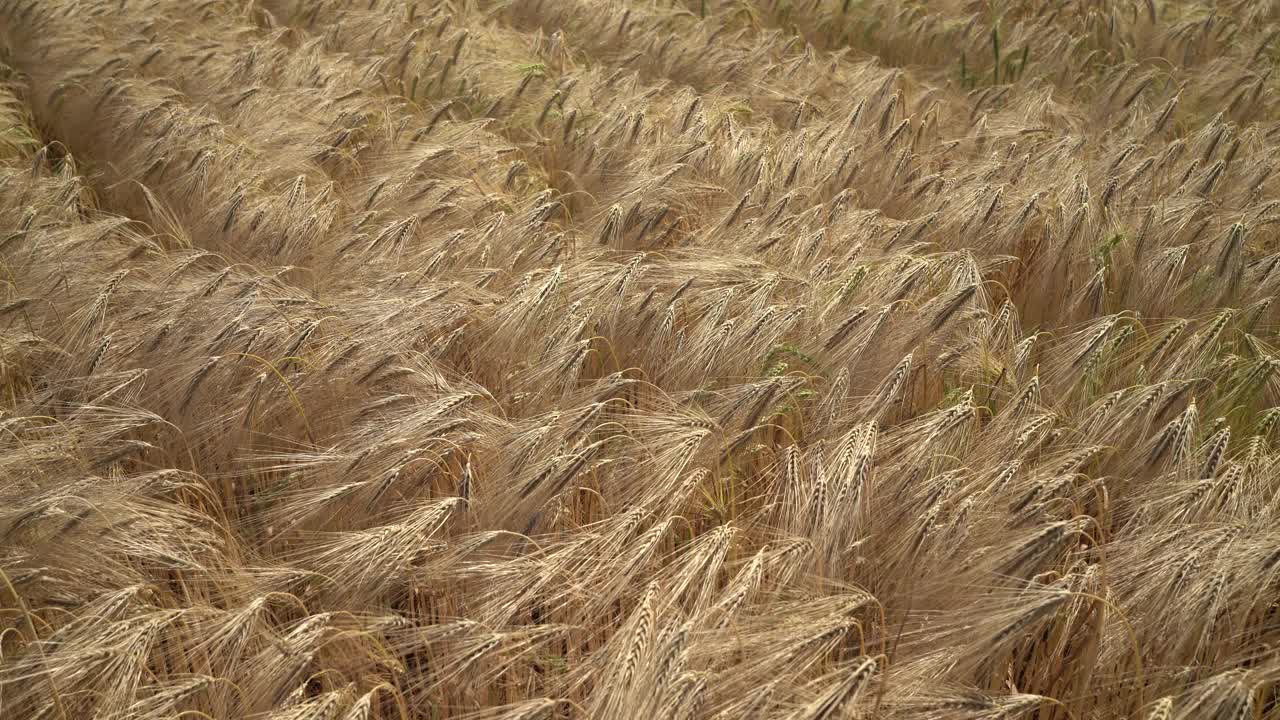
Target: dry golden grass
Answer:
pixel 502 359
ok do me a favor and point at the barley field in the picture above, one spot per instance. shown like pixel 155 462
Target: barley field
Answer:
pixel 516 359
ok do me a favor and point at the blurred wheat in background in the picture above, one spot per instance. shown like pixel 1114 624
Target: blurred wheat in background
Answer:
pixel 516 359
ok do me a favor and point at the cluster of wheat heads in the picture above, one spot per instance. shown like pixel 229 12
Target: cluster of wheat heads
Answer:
pixel 639 359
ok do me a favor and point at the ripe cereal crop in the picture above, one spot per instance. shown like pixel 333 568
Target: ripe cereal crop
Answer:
pixel 614 359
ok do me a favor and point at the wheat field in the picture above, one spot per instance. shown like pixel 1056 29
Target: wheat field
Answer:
pixel 516 359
